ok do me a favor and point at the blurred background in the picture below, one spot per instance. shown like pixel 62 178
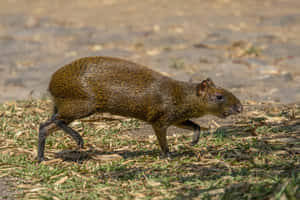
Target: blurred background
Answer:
pixel 251 47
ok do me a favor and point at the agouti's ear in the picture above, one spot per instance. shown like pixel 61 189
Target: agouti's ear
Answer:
pixel 210 82
pixel 204 86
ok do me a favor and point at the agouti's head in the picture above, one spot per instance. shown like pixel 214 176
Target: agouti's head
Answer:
pixel 218 101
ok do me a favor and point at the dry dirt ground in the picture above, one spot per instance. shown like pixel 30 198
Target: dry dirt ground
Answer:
pixel 251 47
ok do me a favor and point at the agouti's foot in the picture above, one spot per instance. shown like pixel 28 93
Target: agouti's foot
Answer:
pixel 193 143
pixel 80 144
pixel 167 155
pixel 41 159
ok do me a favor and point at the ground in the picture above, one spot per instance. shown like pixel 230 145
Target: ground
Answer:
pixel 250 47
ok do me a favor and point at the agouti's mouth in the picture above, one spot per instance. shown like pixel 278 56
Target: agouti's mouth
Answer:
pixel 226 114
pixel 233 111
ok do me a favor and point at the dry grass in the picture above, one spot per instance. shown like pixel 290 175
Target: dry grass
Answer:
pixel 256 157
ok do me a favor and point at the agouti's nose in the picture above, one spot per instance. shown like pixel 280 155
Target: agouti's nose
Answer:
pixel 239 108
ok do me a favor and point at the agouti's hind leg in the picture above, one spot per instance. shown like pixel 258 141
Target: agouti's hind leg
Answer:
pixel 43 132
pixel 75 135
pixel 72 109
pixel 189 125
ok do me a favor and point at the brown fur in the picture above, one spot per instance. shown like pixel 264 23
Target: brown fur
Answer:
pixel 104 84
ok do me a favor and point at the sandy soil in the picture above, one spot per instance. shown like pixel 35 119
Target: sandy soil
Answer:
pixel 250 47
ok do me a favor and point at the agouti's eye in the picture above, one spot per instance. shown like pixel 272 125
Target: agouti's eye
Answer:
pixel 219 98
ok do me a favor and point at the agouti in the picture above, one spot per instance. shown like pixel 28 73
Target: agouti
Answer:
pixel 120 87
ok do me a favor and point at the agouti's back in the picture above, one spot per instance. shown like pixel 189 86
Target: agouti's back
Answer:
pixel 84 77
pixel 108 85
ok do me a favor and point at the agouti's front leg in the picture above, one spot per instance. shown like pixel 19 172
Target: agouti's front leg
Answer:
pixel 189 125
pixel 161 134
